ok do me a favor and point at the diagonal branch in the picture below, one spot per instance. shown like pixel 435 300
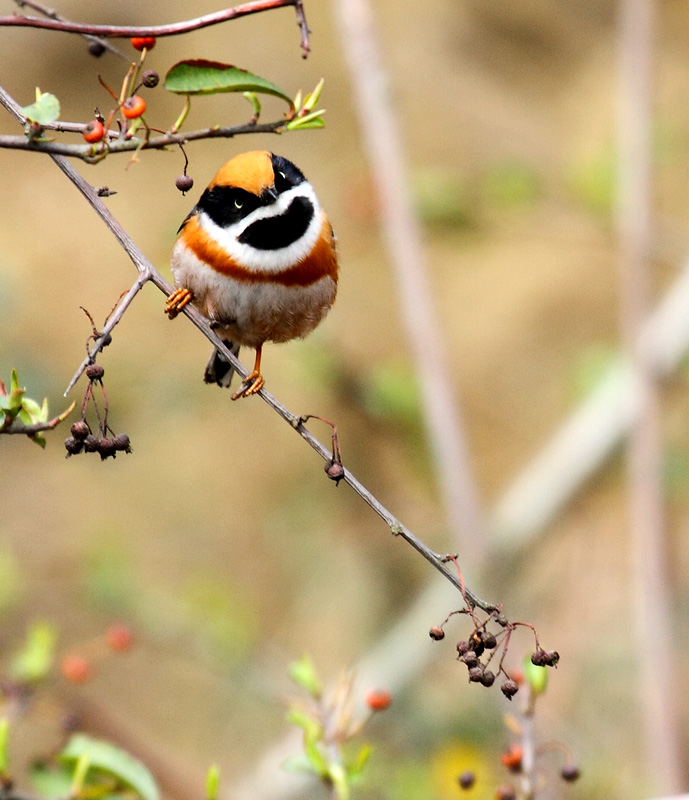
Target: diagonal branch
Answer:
pixel 147 272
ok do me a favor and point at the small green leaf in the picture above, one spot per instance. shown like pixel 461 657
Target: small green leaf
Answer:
pixel 49 782
pixel 338 776
pixel 311 100
pixel 199 76
pixel 303 673
pixel 212 782
pixel 309 121
pixel 537 677
pixel 4 742
pixel 34 661
pixel 252 97
pixel 355 769
pixel 44 111
pixel 105 757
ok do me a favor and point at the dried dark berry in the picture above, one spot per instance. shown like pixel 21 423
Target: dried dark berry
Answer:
pixel 184 183
pixel 91 444
pixel 488 678
pixel 475 674
pixel 150 79
pixel 476 644
pixel 94 372
pixel 509 688
pixel 437 633
pixel 121 442
pixel 106 448
pixel 463 647
pixel 107 339
pixel 466 780
pixel 335 471
pixel 73 446
pixel 489 640
pixel 551 658
pixel 505 792
pixel 96 49
pixel 469 658
pixel 538 658
pixel 80 430
pixel 570 773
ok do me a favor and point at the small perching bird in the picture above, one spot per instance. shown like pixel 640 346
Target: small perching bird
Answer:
pixel 256 255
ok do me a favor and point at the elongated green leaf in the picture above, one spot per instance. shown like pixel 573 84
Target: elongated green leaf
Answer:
pixel 210 77
pixel 106 757
pixel 303 673
pixel 35 659
pixel 45 110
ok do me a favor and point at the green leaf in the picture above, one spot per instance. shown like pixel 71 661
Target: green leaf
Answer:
pixel 255 103
pixel 355 769
pixel 309 121
pixel 199 76
pixel 105 757
pixel 4 741
pixel 212 782
pixel 303 673
pixel 338 776
pixel 34 661
pixel 50 782
pixel 44 111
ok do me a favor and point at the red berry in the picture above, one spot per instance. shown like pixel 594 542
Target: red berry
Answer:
pixel 512 759
pixel 76 669
pixel 133 107
pixel 94 131
pixel 119 638
pixel 378 699
pixel 143 42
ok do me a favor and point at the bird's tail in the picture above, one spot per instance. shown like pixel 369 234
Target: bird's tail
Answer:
pixel 219 370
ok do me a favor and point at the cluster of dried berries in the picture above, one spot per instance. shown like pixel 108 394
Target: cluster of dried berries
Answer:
pixel 478 651
pixel 104 442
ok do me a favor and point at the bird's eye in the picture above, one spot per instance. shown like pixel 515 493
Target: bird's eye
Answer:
pixel 238 204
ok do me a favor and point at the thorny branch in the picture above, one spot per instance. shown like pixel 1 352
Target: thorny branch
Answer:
pixel 170 29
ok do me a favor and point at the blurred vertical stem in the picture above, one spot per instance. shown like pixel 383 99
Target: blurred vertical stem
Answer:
pixel 651 580
pixel 402 234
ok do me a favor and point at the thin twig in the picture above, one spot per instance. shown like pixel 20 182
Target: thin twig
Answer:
pixel 37 427
pixel 88 153
pixel 170 29
pixel 52 14
pixel 149 273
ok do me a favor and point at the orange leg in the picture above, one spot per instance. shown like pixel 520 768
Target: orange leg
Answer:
pixel 254 381
pixel 176 302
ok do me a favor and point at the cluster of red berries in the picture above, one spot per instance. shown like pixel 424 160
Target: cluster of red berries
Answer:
pixel 78 668
pixel 135 105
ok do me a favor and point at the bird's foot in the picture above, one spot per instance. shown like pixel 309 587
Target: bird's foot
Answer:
pixel 177 301
pixel 253 383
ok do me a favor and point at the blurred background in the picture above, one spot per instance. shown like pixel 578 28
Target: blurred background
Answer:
pixel 219 540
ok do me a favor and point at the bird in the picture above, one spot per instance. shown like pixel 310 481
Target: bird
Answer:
pixel 256 256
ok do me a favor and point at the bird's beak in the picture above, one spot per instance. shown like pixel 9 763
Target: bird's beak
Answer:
pixel 269 195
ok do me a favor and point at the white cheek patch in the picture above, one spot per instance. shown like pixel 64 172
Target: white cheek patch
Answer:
pixel 269 261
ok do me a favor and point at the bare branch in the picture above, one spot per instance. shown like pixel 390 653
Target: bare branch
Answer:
pixel 18 427
pixel 170 29
pixel 90 153
pixel 147 272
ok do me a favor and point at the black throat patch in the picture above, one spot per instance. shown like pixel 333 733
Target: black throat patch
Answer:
pixel 274 233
